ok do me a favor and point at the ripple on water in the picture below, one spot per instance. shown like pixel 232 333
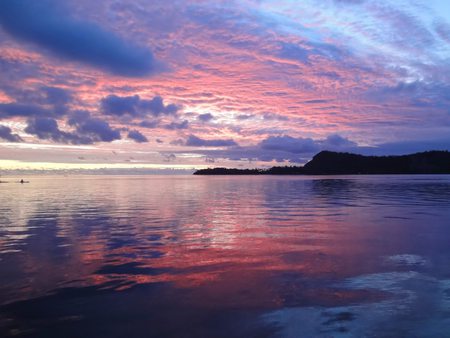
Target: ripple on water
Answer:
pixel 289 256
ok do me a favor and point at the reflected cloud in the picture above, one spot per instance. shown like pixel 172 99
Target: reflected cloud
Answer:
pixel 269 249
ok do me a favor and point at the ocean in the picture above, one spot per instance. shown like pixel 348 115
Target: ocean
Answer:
pixel 225 256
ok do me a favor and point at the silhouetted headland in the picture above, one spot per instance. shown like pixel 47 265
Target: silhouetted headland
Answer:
pixel 333 163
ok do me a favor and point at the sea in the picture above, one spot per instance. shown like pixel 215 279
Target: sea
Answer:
pixel 225 256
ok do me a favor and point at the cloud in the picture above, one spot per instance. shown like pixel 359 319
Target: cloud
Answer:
pixel 297 52
pixel 47 129
pixel 98 130
pixel 44 128
pixel 136 107
pixel 45 24
pixel 87 130
pixel 177 125
pixel 150 124
pixel 289 144
pixel 417 94
pixel 205 117
pixel 292 51
pixel 316 101
pixel 408 147
pixel 24 110
pixel 337 142
pixel 57 96
pixel 443 30
pixel 6 134
pixel 274 117
pixel 243 117
pixel 282 148
pixel 156 107
pixel 194 141
pixel 170 157
pixel 116 105
pixel 177 142
pixel 45 102
pixel 289 149
pixel 137 136
pixel 398 21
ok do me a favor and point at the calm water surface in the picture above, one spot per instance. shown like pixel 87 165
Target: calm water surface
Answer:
pixel 161 256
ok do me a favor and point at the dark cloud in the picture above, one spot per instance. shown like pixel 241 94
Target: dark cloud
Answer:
pixel 57 96
pixel 116 105
pixel 78 116
pixel 45 102
pixel 318 101
pixel 45 24
pixel 47 129
pixel 23 110
pixel 300 150
pixel 205 117
pixel 254 153
pixel 136 107
pixel 337 142
pixel 87 130
pixel 6 134
pixel 156 107
pixel 150 124
pixel 289 144
pixel 194 141
pixel 44 128
pixel 98 130
pixel 137 136
pixel 282 148
pixel 177 125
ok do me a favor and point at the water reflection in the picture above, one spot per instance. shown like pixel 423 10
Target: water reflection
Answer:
pixel 224 256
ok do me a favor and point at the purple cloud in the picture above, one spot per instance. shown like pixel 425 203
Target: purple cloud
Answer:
pixel 47 129
pixel 45 24
pixel 136 107
pixel 6 134
pixel 137 136
pixel 205 117
pixel 177 125
pixel 281 148
pixel 194 141
pixel 97 130
pixel 24 110
pixel 289 144
pixel 45 102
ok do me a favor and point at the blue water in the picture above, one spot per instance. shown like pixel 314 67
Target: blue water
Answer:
pixel 190 256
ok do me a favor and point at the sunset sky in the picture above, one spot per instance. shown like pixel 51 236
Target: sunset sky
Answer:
pixel 183 84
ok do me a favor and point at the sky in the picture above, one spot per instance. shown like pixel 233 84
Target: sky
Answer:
pixel 194 84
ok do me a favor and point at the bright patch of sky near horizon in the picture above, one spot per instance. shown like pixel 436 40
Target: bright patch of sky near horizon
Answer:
pixel 220 83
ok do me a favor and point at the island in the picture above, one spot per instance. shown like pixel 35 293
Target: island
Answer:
pixel 335 163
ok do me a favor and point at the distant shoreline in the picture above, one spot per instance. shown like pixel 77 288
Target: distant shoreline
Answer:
pixel 334 163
